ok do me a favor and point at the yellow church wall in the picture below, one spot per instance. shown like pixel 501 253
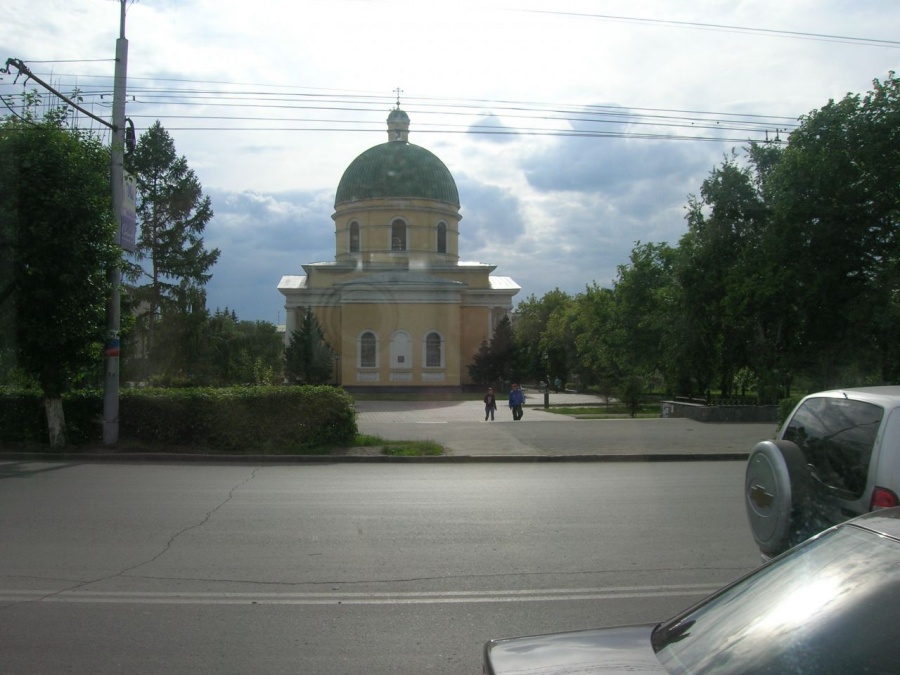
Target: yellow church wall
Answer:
pixel 462 330
pixel 416 320
pixel 326 277
pixel 474 328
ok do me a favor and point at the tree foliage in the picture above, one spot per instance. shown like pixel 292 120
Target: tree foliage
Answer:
pixel 539 352
pixel 171 264
pixel 497 362
pixel 56 249
pixel 789 271
pixel 712 272
pixel 308 359
pixel 836 218
pixel 594 315
pixel 196 348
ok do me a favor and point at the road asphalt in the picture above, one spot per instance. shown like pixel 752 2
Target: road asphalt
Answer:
pixel 459 426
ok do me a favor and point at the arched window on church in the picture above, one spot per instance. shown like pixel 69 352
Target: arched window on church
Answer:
pixel 398 235
pixel 354 237
pixel 434 351
pixel 368 350
pixel 442 238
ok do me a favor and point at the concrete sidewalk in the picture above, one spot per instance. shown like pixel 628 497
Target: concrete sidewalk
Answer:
pixel 459 426
pixel 425 412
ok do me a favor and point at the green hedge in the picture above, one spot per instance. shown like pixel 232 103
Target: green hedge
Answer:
pixel 23 420
pixel 238 419
pixel 21 416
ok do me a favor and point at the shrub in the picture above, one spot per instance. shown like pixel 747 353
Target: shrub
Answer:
pixel 24 420
pixel 240 419
pixel 21 415
pixel 236 419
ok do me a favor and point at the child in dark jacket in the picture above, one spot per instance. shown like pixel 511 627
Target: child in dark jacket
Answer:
pixel 490 405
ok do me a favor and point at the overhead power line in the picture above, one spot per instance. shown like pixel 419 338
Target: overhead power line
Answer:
pixel 825 37
pixel 296 109
pixel 24 70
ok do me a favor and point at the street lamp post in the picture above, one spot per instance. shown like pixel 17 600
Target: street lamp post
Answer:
pixel 547 383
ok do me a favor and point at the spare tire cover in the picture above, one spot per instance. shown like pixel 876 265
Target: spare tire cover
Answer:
pixel 775 484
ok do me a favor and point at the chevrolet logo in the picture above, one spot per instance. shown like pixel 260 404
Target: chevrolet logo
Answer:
pixel 761 497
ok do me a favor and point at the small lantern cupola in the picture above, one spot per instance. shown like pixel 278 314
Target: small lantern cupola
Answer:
pixel 398 126
pixel 398 123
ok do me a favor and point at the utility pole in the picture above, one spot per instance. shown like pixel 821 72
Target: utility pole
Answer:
pixel 117 171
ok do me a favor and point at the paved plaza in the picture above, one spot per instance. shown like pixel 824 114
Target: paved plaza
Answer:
pixel 459 426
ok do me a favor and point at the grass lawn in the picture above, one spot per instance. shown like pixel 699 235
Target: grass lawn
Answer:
pixel 605 412
pixel 399 448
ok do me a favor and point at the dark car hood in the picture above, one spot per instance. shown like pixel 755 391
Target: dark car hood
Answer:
pixel 601 650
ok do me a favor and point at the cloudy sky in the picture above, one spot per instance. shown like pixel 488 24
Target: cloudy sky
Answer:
pixel 573 128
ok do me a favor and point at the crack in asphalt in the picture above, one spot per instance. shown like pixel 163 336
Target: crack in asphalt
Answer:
pixel 175 536
pixel 165 549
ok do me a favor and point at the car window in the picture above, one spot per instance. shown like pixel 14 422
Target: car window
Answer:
pixel 821 608
pixel 837 437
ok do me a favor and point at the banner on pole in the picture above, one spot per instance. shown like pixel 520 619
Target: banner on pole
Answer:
pixel 128 225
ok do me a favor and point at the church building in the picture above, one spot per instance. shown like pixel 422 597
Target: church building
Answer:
pixel 397 305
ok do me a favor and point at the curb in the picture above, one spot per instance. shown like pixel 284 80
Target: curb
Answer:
pixel 147 457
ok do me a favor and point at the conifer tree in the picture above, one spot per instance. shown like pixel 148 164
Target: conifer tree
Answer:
pixel 170 257
pixel 498 361
pixel 308 359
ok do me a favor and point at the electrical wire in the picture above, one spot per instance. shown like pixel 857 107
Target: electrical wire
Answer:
pixel 426 109
pixel 824 37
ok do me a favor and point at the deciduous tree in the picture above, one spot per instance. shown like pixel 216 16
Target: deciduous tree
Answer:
pixel 532 317
pixel 836 197
pixel 57 246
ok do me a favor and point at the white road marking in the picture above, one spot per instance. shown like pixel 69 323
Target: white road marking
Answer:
pixel 337 597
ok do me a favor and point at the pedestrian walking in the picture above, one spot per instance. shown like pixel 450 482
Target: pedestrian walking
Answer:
pixel 490 404
pixel 516 401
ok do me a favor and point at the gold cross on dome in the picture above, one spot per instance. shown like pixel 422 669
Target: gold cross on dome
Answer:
pixel 398 91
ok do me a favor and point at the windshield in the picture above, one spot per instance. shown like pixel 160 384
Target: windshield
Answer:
pixel 820 609
pixel 837 437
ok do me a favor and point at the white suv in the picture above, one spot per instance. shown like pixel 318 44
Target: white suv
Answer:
pixel 837 456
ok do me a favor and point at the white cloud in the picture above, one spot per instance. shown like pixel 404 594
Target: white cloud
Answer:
pixel 550 211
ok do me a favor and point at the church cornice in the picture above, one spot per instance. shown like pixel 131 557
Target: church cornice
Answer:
pixel 397 206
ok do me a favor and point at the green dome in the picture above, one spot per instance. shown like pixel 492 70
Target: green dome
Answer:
pixel 397 169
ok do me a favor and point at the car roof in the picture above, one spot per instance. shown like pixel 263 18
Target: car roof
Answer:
pixel 888 396
pixel 885 522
